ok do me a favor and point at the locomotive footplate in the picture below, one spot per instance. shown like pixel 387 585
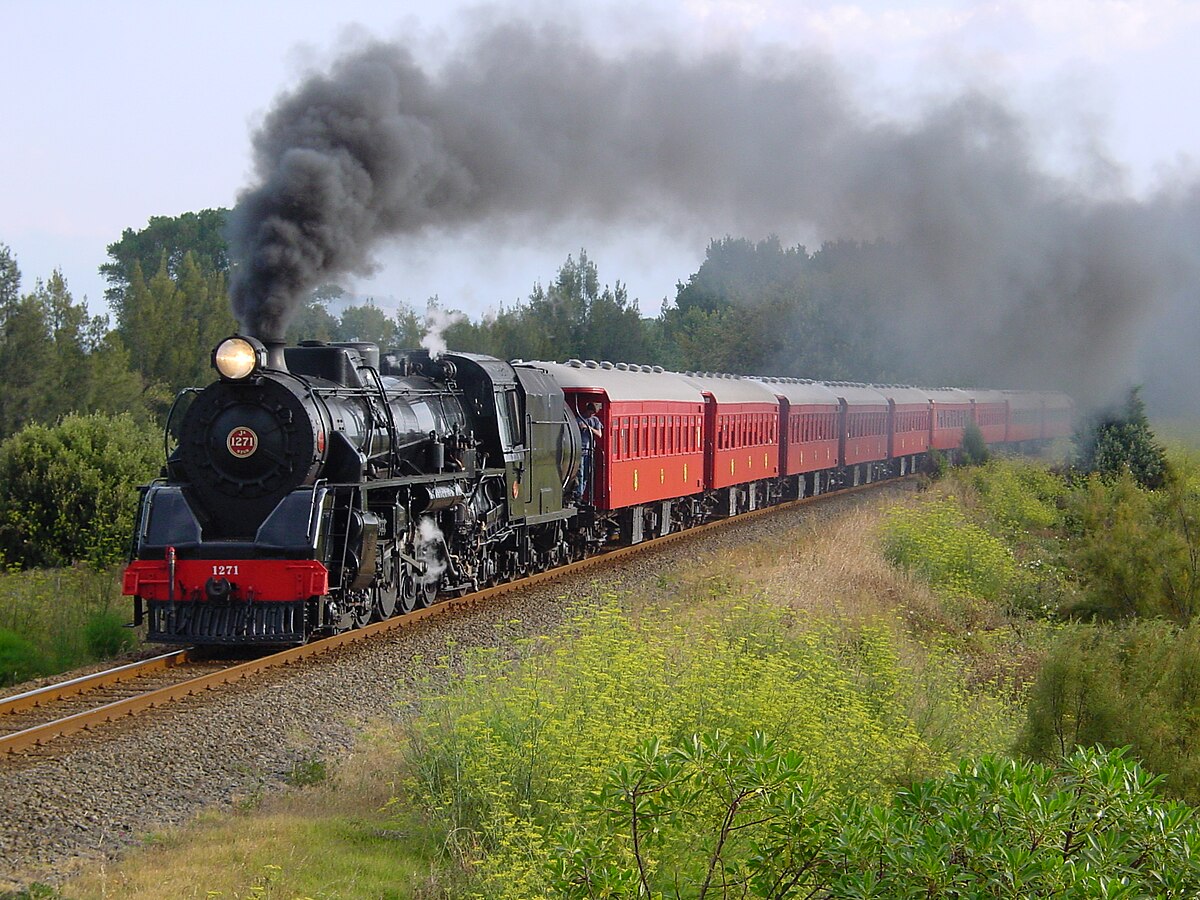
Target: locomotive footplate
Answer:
pixel 235 622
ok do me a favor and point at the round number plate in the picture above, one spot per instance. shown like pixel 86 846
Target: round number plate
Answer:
pixel 242 442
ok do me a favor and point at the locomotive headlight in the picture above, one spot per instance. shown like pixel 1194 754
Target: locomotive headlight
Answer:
pixel 238 357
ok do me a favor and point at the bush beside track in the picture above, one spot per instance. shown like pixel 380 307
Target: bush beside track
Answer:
pixel 52 620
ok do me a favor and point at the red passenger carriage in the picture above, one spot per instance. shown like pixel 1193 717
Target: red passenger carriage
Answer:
pixel 652 447
pixel 741 418
pixel 909 432
pixel 951 413
pixel 989 411
pixel 864 425
pixel 1057 414
pixel 809 411
pixel 1024 416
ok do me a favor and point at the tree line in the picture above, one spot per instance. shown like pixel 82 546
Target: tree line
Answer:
pixel 751 307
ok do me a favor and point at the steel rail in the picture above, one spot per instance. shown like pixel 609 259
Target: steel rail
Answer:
pixel 52 693
pixel 119 709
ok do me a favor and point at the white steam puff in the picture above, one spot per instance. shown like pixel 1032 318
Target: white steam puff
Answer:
pixel 1005 273
pixel 430 542
pixel 436 322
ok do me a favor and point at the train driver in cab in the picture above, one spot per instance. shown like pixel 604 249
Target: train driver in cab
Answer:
pixel 590 431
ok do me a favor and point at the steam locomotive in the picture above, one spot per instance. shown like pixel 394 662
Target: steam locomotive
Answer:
pixel 312 489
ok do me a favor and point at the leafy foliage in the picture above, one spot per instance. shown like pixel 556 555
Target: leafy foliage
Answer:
pixel 363 322
pixel 106 635
pixel 1019 497
pixel 1136 685
pixel 717 818
pixel 1118 440
pixel 52 620
pixel 20 660
pixel 54 359
pixel 572 317
pixel 1138 551
pixel 513 751
pixel 10 279
pixel 170 323
pixel 756 307
pixel 67 492
pixel 166 241
pixel 937 542
pixel 974 448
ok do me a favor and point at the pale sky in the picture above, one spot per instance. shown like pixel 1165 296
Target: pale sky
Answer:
pixel 115 112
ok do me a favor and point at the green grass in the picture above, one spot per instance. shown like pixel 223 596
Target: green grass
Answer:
pixel 334 840
pixel 52 620
pixel 510 757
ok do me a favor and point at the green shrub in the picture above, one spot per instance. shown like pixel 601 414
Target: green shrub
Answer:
pixel 516 748
pixel 20 660
pixel 974 448
pixel 1138 551
pixel 937 465
pixel 1137 685
pixel 68 491
pixel 936 541
pixel 58 611
pixel 1020 496
pixel 1118 441
pixel 717 818
pixel 106 635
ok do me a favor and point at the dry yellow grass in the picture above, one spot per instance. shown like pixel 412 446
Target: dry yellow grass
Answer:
pixel 331 840
pixel 832 567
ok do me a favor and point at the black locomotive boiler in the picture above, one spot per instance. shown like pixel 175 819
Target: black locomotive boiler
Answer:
pixel 315 488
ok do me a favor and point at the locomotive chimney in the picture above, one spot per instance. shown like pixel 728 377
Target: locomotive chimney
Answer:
pixel 275 358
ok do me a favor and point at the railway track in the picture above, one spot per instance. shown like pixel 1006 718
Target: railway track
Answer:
pixel 38 717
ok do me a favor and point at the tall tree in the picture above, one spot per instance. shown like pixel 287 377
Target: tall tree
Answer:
pixel 166 239
pixel 313 322
pixel 10 281
pixel 27 366
pixel 170 323
pixel 1117 440
pixel 56 360
pixel 367 322
pixel 572 317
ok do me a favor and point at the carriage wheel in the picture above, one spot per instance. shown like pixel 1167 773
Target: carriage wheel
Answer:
pixel 411 597
pixel 386 600
pixel 427 591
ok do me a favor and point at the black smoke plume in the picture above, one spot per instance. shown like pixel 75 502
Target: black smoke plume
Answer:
pixel 1016 276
